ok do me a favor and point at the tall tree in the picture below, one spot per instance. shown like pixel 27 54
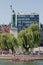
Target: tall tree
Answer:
pixel 24 39
pixel 35 33
pixel 30 37
pixel 7 40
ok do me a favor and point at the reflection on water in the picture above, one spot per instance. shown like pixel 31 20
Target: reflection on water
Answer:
pixel 6 62
pixel 9 62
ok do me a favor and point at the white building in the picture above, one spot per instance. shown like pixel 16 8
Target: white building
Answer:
pixel 14 31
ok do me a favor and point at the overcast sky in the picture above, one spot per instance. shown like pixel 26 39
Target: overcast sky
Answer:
pixel 26 6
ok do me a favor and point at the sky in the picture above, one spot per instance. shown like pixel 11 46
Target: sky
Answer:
pixel 25 6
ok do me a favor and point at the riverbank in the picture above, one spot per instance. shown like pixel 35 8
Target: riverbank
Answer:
pixel 21 58
pixel 6 57
pixel 27 58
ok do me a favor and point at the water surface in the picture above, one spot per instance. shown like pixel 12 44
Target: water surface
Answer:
pixel 9 62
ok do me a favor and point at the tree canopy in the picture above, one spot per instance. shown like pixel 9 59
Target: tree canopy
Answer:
pixel 7 40
pixel 30 37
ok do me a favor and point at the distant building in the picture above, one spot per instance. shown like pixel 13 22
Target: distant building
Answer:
pixel 4 28
pixel 41 32
pixel 22 21
pixel 25 20
pixel 14 31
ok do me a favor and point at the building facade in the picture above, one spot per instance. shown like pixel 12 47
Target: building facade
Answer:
pixel 4 28
pixel 41 32
pixel 22 21
pixel 25 20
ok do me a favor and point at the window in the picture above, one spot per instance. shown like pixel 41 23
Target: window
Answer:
pixel 23 24
pixel 21 16
pixel 32 16
pixel 19 28
pixel 19 21
pixel 19 24
pixel 27 19
pixel 26 24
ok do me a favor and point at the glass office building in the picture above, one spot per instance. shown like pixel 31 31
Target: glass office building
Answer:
pixel 41 32
pixel 25 20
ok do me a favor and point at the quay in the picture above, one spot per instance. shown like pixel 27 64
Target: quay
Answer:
pixel 27 58
pixel 22 58
pixel 6 57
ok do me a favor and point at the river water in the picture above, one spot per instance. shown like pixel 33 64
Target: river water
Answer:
pixel 9 62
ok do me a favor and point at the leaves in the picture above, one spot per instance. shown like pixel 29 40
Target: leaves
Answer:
pixel 7 40
pixel 30 37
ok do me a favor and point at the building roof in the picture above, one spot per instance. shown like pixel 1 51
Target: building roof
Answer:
pixel 27 13
pixel 4 28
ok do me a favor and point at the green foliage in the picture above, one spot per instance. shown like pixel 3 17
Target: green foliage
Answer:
pixel 35 33
pixel 7 40
pixel 30 37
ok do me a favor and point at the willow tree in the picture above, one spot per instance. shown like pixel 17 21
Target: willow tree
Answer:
pixel 2 45
pixel 24 39
pixel 11 42
pixel 36 34
pixel 30 37
pixel 7 40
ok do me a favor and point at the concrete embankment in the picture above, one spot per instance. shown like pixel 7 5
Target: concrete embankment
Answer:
pixel 22 58
pixel 27 58
pixel 6 57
